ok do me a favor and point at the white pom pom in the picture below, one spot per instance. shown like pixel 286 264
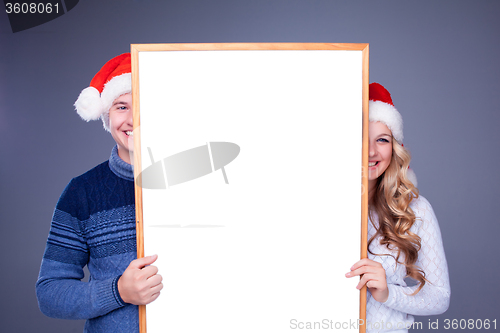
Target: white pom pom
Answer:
pixel 89 105
pixel 410 174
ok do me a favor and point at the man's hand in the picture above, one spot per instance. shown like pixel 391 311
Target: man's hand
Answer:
pixel 140 284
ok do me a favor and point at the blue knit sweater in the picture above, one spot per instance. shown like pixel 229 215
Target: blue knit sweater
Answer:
pixel 93 225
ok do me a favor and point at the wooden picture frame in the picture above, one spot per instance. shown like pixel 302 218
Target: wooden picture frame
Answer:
pixel 262 240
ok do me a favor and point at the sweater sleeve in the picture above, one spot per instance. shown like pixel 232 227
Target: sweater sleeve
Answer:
pixel 434 297
pixel 60 290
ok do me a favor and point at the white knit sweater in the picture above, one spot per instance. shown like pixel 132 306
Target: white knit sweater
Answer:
pixel 396 314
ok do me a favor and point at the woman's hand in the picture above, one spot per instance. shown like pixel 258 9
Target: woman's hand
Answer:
pixel 140 284
pixel 373 275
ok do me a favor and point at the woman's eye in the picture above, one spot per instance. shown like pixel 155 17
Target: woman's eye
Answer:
pixel 383 140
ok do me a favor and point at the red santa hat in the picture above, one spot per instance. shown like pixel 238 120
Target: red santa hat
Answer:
pixel 381 108
pixel 113 80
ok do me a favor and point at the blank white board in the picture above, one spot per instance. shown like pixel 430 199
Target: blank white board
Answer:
pixel 248 166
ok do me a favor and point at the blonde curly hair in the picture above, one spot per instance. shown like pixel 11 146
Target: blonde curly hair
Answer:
pixel 391 202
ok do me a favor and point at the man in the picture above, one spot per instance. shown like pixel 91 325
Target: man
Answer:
pixel 94 224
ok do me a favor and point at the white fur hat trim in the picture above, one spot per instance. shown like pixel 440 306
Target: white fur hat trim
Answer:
pixel 387 114
pixel 117 86
pixel 92 106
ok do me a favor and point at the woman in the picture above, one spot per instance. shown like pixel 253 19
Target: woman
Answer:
pixel 406 272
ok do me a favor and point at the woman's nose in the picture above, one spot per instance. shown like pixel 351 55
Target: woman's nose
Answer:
pixel 371 150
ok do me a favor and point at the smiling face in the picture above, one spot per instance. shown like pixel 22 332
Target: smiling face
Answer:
pixel 121 126
pixel 380 150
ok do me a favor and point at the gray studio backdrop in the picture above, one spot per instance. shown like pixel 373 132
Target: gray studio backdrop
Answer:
pixel 439 59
